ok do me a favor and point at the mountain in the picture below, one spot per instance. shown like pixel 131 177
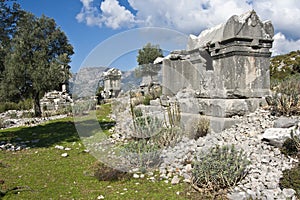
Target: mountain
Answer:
pixel 86 81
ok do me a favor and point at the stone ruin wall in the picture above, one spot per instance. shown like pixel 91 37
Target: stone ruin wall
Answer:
pixel 226 66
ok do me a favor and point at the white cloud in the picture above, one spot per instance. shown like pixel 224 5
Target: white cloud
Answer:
pixel 114 15
pixel 282 45
pixel 110 14
pixel 285 15
pixel 188 16
pixel 192 16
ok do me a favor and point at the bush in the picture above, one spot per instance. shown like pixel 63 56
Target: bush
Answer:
pixel 147 99
pixel 27 114
pixel 137 112
pixel 199 127
pixel 141 154
pixel 167 137
pixel 146 126
pixel 220 168
pixel 291 179
pixel 291 146
pixel 286 98
pixel 27 104
pixel 21 105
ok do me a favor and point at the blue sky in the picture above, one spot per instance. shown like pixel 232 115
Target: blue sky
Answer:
pixel 109 32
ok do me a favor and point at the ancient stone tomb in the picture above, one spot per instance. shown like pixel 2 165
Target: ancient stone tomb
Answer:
pixel 226 67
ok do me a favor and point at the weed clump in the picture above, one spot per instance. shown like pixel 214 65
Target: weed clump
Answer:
pixel 291 179
pixel 221 168
pixel 291 146
pixel 199 127
pixel 286 97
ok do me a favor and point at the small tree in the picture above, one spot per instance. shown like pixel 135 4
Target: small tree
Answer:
pixel 145 59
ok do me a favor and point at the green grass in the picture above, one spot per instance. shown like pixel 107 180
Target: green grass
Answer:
pixel 42 173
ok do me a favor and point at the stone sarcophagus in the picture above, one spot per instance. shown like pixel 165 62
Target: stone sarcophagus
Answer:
pixel 226 66
pixel 112 83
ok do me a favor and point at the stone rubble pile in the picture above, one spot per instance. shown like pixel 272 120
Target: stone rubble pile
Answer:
pixel 12 147
pixel 55 100
pixel 17 122
pixel 17 146
pixel 267 162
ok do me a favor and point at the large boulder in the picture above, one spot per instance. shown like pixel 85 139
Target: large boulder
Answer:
pixel 277 136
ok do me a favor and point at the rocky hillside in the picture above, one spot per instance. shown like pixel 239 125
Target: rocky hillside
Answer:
pixel 285 65
pixel 85 82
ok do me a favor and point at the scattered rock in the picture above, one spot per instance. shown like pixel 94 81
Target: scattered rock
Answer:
pixel 59 147
pixel 100 197
pixel 175 180
pixel 267 162
pixel 238 195
pixel 136 176
pixel 64 155
pixel 288 193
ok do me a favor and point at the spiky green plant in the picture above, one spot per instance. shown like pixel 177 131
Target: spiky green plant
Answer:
pixel 286 97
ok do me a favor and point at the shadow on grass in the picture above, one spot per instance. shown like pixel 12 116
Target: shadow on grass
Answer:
pixel 51 133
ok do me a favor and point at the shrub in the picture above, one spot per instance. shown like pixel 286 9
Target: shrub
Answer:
pixel 291 179
pixel 291 146
pixel 167 137
pixel 220 168
pixel 146 126
pixel 295 135
pixel 137 112
pixel 27 104
pixel 27 114
pixel 141 154
pixel 285 100
pixel 21 105
pixel 147 99
pixel 199 127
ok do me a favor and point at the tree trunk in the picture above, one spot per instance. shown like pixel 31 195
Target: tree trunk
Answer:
pixel 36 104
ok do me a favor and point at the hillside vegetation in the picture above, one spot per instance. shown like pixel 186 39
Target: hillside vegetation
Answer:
pixel 284 66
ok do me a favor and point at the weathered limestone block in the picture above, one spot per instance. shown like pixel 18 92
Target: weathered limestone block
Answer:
pixel 227 66
pixel 227 107
pixel 246 25
pixel 228 61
